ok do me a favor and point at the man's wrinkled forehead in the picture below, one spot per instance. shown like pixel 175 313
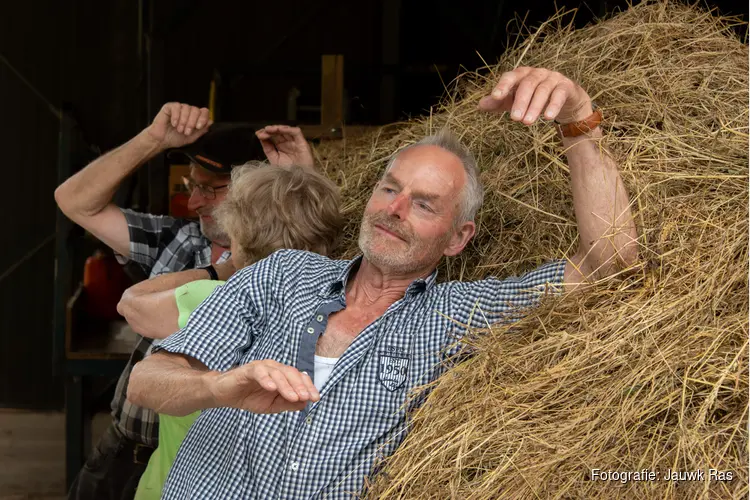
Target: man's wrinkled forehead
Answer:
pixel 417 191
pixel 428 168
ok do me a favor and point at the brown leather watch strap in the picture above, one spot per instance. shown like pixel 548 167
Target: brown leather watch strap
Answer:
pixel 582 127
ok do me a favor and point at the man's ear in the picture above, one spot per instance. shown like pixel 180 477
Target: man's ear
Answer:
pixel 460 238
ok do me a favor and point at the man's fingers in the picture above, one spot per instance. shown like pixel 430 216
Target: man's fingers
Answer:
pixel 314 394
pixel 539 100
pixel 273 129
pixel 282 405
pixel 203 118
pixel 556 102
pixel 283 386
pixel 505 91
pixel 268 148
pixel 184 115
pixel 296 380
pixel 263 378
pixel 286 131
pixel 295 132
pixel 293 385
pixel 524 93
pixel 172 110
pixel 192 121
pixel 283 129
pixel 508 81
pixel 490 104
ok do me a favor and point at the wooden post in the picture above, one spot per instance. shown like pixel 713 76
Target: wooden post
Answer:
pixel 332 93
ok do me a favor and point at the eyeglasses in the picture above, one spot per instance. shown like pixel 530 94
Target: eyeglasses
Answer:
pixel 208 192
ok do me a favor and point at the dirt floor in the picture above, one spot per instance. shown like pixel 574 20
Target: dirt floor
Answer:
pixel 32 454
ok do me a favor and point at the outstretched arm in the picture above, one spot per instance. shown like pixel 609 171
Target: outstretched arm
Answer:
pixel 150 307
pixel 607 233
pixel 175 384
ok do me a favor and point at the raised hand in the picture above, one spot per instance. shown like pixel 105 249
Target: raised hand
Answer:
pixel 285 145
pixel 264 387
pixel 528 92
pixel 177 125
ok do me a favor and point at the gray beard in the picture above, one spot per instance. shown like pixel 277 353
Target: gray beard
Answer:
pixel 395 262
pixel 215 234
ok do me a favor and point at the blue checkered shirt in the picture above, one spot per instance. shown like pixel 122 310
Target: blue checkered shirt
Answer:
pixel 159 245
pixel 277 309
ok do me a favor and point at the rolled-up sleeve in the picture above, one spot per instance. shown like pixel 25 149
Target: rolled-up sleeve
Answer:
pixel 224 326
pixel 479 303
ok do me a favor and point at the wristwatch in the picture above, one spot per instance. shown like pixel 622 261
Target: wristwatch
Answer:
pixel 581 127
pixel 211 272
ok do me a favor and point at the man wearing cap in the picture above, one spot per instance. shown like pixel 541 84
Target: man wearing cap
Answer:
pixel 159 245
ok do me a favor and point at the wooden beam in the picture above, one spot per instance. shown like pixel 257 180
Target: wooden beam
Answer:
pixel 332 92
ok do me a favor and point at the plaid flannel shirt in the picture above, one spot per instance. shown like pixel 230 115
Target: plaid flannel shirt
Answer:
pixel 277 309
pixel 159 245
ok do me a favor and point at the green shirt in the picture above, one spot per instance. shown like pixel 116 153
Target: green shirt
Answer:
pixel 172 430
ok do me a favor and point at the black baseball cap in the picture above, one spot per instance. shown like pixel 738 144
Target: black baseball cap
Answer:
pixel 223 147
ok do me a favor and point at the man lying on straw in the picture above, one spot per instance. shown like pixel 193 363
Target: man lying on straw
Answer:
pixel 302 364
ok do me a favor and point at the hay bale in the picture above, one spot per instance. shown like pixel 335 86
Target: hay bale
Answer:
pixel 650 370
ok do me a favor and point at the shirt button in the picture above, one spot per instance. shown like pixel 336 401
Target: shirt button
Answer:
pixel 295 466
pixel 319 318
pixel 310 330
pixel 308 420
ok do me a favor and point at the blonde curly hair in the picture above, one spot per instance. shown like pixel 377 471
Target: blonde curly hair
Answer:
pixel 269 207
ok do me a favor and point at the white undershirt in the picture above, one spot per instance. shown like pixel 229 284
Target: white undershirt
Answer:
pixel 323 369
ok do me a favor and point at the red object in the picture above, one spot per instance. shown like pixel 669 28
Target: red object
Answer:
pixel 178 207
pixel 104 281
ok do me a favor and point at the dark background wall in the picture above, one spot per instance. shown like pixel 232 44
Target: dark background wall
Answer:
pixel 90 54
pixel 28 141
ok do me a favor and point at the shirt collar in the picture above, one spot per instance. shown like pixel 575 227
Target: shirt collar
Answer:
pixel 338 285
pixel 203 256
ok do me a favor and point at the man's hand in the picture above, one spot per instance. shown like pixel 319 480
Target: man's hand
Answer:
pixel 527 92
pixel 177 125
pixel 284 145
pixel 264 387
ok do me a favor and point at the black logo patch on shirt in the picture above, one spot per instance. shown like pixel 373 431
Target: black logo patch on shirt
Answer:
pixel 392 371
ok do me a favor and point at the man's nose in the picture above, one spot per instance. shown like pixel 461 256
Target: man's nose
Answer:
pixel 196 200
pixel 398 207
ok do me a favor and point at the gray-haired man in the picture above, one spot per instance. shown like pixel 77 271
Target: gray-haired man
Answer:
pixel 251 353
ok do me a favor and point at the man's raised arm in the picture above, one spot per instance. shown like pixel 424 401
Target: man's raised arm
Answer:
pixel 607 233
pixel 86 198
